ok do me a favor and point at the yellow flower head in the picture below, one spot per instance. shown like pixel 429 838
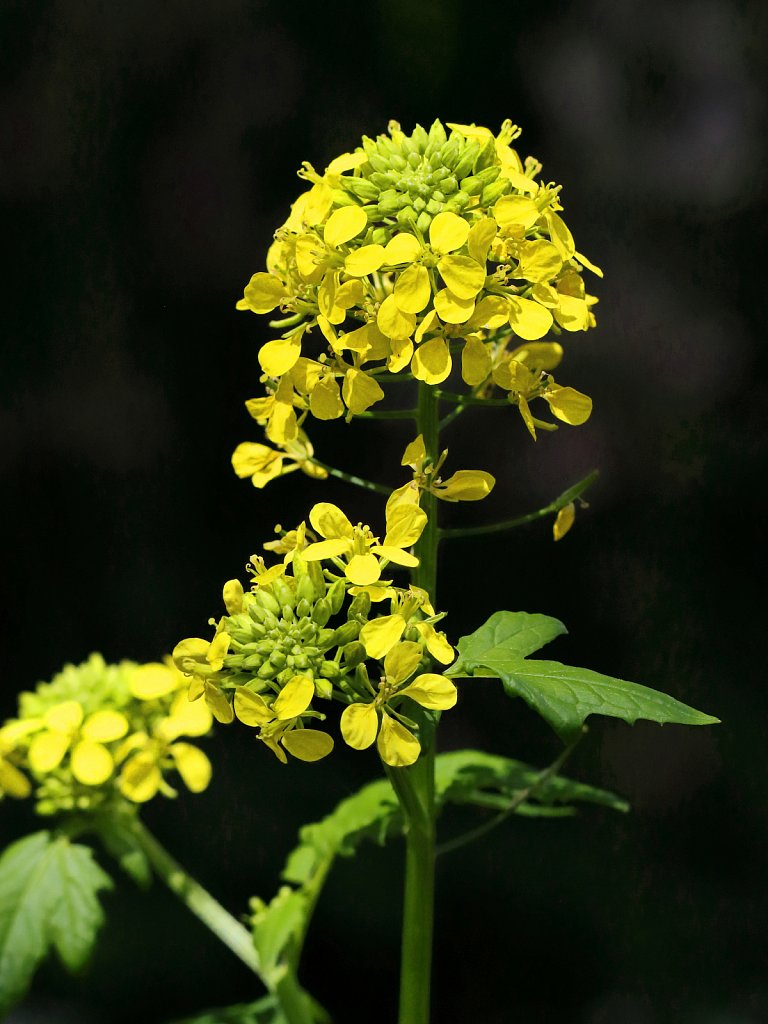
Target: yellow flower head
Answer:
pixel 405 252
pixel 73 736
pixel 379 720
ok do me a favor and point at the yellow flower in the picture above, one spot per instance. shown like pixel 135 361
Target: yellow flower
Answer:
pixel 400 249
pixel 363 555
pixel 64 728
pixel 262 463
pixel 146 756
pixel 202 660
pixel 12 782
pixel 280 723
pixel 377 720
pixel 463 485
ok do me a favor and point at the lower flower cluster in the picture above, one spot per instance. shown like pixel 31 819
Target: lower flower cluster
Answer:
pixel 101 733
pixel 305 636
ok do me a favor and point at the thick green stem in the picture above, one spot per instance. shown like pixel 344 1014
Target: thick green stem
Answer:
pixel 415 786
pixel 197 899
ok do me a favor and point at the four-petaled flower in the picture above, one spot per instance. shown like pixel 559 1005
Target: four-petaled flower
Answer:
pixel 280 724
pixel 378 720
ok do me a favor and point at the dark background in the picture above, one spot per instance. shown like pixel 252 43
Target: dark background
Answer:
pixel 148 151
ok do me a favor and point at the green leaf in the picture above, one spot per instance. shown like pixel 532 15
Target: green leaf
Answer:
pixel 48 898
pixel 487 780
pixel 563 695
pixel 566 696
pixel 277 924
pixel 505 636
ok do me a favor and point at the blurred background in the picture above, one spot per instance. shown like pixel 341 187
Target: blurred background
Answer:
pixel 148 152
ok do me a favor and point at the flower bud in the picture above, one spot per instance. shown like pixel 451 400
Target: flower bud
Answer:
pixel 321 612
pixel 335 596
pixel 323 689
pixel 360 607
pixel 354 654
pixel 330 670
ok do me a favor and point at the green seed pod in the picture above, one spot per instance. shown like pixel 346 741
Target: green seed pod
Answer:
pixel 486 156
pixel 361 188
pixel 407 217
pixel 380 180
pixel 419 138
pixel 346 633
pixel 361 680
pixel 495 191
pixel 267 601
pixel 277 658
pixel 283 594
pixel 472 185
pixel 325 639
pixel 315 572
pixel 423 222
pixel 467 159
pixel 330 670
pixel 307 630
pixel 489 174
pixel 449 154
pixel 323 689
pixel 304 589
pixel 360 607
pixel 322 611
pixel 376 160
pixel 354 654
pixel 335 595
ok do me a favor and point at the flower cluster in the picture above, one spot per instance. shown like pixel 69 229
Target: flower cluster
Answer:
pixel 405 253
pixel 304 636
pixel 99 733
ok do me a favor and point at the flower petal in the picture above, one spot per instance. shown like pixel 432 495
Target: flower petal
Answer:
pixel 91 763
pixel 294 698
pixel 569 405
pixel 392 321
pixel 65 717
pixel 528 319
pixel 448 232
pixel 251 708
pixel 359 724
pixel 106 726
pixel 412 289
pixel 344 224
pixel 451 309
pixel 365 260
pixel 402 661
pixel 329 521
pixel 360 391
pixel 363 570
pixel 47 751
pixel 153 680
pixel 380 635
pixel 432 361
pixel 12 782
pixel 140 778
pixel 463 276
pixel 192 765
pixel 476 362
pixel 431 691
pixel 401 248
pixel 396 745
pixel 564 521
pixel 308 744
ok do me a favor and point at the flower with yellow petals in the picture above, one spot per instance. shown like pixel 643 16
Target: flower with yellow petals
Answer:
pixel 12 781
pixel 146 756
pixel 378 720
pixel 280 721
pixel 65 729
pixel 360 551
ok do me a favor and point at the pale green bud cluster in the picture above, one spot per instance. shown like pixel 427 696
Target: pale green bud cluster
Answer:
pixel 413 178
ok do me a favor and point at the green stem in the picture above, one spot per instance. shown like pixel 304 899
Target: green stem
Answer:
pixel 415 786
pixel 450 396
pixel 509 524
pixel 350 478
pixel 197 899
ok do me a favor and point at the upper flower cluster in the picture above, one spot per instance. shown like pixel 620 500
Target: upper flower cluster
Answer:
pixel 410 251
pixel 98 733
pixel 304 633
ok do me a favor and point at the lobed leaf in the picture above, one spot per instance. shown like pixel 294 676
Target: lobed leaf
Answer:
pixel 48 899
pixel 565 696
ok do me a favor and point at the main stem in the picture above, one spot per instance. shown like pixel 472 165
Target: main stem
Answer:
pixel 415 786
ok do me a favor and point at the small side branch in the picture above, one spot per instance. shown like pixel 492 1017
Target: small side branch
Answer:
pixel 350 478
pixel 509 524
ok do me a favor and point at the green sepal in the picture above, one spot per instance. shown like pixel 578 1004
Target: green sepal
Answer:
pixel 48 900
pixel 565 696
